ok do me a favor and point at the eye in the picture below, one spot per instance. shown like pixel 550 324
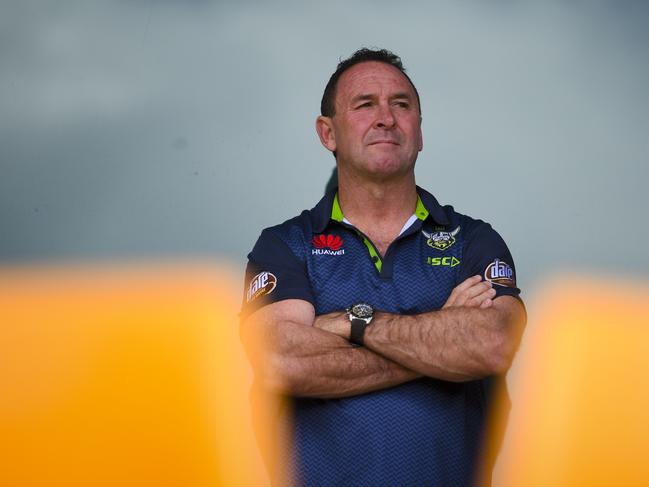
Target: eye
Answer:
pixel 402 104
pixel 366 104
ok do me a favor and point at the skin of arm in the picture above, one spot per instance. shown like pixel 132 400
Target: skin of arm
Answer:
pixel 303 360
pixel 462 341
pixel 454 344
pixel 309 356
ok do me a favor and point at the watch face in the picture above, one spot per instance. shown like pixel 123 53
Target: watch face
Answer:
pixel 362 310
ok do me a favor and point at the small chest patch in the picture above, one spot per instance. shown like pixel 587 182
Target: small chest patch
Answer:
pixel 327 245
pixel 441 240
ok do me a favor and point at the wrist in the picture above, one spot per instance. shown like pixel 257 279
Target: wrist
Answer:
pixel 360 316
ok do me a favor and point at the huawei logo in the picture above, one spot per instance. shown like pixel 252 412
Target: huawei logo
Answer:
pixel 332 242
pixel 327 245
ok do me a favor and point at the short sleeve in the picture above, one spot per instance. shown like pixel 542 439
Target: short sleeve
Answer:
pixel 273 273
pixel 485 253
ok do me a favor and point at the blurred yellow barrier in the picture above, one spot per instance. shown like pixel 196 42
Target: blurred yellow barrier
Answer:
pixel 580 401
pixel 124 378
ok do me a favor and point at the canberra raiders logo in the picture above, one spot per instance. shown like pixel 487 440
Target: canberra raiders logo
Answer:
pixel 441 240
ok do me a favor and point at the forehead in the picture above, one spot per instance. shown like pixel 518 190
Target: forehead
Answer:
pixel 372 77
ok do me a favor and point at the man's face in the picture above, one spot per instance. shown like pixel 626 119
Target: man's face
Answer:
pixel 376 130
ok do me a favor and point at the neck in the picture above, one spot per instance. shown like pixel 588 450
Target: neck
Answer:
pixel 385 203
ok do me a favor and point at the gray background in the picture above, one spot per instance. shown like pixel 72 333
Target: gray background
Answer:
pixel 140 130
pixel 148 129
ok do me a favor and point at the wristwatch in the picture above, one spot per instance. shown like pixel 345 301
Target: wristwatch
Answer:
pixel 360 314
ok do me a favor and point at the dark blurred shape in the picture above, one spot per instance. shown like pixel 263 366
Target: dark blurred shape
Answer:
pixel 333 180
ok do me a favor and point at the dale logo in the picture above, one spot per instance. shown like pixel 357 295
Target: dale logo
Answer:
pixel 441 240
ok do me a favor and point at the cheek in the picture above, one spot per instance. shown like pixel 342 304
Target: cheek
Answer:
pixel 415 130
pixel 351 133
pixel 359 121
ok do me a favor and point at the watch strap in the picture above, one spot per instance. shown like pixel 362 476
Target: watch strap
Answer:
pixel 357 331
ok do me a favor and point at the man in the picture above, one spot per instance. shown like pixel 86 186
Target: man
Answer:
pixel 384 312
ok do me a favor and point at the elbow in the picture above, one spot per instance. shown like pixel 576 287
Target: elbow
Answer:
pixel 499 364
pixel 503 344
pixel 500 354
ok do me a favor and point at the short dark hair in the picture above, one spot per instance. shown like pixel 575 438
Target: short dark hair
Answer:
pixel 328 103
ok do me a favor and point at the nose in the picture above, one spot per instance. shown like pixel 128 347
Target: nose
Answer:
pixel 384 117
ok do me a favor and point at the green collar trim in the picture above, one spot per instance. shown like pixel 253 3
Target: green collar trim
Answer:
pixel 337 215
pixel 374 255
pixel 336 211
pixel 420 210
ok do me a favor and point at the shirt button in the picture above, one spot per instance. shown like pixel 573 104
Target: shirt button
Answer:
pixel 375 258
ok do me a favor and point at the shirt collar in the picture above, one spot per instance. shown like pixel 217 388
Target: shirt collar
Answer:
pixel 435 210
pixel 321 213
pixel 328 209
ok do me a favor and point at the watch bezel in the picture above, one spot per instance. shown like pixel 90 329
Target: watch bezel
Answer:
pixel 361 311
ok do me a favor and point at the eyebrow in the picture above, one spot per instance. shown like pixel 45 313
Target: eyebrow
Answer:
pixel 368 96
pixel 401 95
pixel 363 97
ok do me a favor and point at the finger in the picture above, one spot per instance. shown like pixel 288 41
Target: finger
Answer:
pixel 453 299
pixel 467 283
pixel 456 293
pixel 476 301
pixel 480 298
pixel 466 290
pixel 475 290
pixel 487 303
pixel 469 288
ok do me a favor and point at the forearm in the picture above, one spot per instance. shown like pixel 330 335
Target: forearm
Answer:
pixel 454 344
pixel 331 367
pixel 303 360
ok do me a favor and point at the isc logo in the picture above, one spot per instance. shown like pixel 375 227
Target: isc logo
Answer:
pixel 443 261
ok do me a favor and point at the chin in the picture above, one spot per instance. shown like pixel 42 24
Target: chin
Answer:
pixel 389 167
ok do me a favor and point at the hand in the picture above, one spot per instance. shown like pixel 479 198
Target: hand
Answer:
pixel 472 293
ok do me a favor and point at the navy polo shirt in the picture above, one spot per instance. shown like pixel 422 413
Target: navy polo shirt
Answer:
pixel 423 432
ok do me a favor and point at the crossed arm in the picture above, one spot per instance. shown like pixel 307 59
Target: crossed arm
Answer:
pixel 471 337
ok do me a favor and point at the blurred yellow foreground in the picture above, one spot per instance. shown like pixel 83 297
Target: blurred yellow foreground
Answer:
pixel 124 377
pixel 580 401
pixel 136 377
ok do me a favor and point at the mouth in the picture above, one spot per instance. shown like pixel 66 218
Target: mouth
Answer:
pixel 389 142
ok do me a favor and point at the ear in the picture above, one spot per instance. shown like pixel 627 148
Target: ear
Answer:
pixel 325 129
pixel 421 136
